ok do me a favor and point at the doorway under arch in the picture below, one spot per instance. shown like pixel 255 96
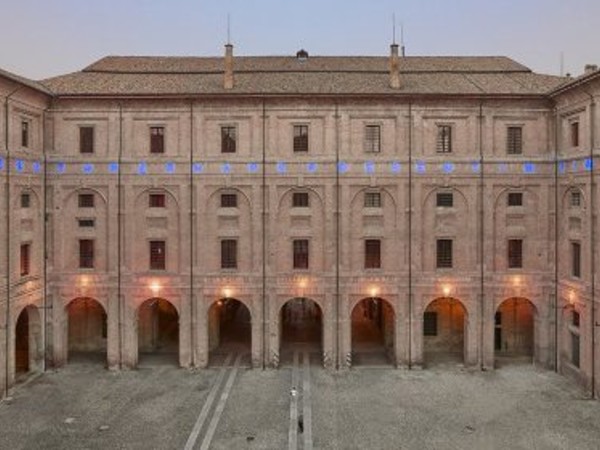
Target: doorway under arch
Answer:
pixel 229 329
pixel 444 328
pixel 514 331
pixel 87 334
pixel 372 324
pixel 28 341
pixel 301 322
pixel 158 332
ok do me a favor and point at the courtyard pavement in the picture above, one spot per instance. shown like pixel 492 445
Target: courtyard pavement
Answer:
pixel 161 407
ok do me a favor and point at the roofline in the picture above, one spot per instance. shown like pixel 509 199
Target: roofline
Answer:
pixel 238 71
pixel 26 82
pixel 574 83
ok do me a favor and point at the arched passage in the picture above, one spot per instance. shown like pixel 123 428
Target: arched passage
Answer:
pixel 444 327
pixel 301 327
pixel 158 331
pixel 514 331
pixel 87 335
pixel 28 341
pixel 229 329
pixel 372 332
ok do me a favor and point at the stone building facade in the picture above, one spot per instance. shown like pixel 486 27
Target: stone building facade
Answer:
pixel 404 210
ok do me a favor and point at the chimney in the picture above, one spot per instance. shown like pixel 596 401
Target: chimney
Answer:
pixel 394 67
pixel 228 76
pixel 589 68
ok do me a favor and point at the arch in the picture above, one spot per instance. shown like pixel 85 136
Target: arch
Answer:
pixel 443 188
pixel 515 188
pixel 373 322
pixel 514 331
pixel 28 341
pixel 444 331
pixel 290 191
pixel 237 190
pixel 16 201
pixel 87 330
pixel 301 326
pixel 158 331
pixel 573 188
pixel 229 328
pixel 138 197
pixel 84 189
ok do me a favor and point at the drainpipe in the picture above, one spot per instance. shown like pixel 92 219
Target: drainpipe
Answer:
pixel 192 303
pixel 264 234
pixel 119 234
pixel 410 213
pixel 45 243
pixel 8 327
pixel 556 238
pixel 337 237
pixel 481 242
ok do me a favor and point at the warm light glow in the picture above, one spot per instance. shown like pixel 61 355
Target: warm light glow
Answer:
pixel 446 289
pixel 302 283
pixel 517 280
pixel 155 287
pixel 227 293
pixel 374 291
pixel 571 297
pixel 84 281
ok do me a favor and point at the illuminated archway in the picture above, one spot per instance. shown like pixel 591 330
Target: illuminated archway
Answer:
pixel 87 335
pixel 372 332
pixel 301 322
pixel 158 331
pixel 28 341
pixel 229 329
pixel 444 329
pixel 514 331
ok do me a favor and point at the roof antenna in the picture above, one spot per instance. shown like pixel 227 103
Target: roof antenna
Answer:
pixel 228 29
pixel 394 28
pixel 402 48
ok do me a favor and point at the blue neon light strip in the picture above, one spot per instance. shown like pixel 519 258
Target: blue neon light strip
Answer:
pixel 87 168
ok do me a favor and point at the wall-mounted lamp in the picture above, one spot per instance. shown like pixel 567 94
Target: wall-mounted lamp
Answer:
pixel 155 288
pixel 447 289
pixel 227 293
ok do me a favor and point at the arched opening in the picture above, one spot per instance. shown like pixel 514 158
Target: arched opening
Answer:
pixel 229 329
pixel 87 335
pixel 444 332
pixel 372 332
pixel 158 332
pixel 514 331
pixel 28 341
pixel 301 328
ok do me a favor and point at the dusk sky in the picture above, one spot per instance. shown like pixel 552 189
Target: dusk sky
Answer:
pixel 46 38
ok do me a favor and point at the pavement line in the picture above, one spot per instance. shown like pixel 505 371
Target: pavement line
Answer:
pixel 293 432
pixel 212 427
pixel 306 404
pixel 189 445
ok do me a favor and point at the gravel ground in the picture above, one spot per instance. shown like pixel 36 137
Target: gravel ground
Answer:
pixel 517 407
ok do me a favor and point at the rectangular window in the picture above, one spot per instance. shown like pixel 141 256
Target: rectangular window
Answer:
pixel 86 223
pixel 157 139
pixel 158 260
pixel 576 258
pixel 228 254
pixel 515 199
pixel 515 253
pixel 514 140
pixel 228 140
pixel 86 139
pixel 575 319
pixel 372 200
pixel 575 349
pixel 156 200
pixel 372 138
pixel 372 254
pixel 300 138
pixel 445 199
pixel 300 200
pixel 24 134
pixel 444 253
pixel 86 200
pixel 86 254
pixel 25 259
pixel 575 134
pixel 228 200
pixel 300 248
pixel 430 323
pixel 25 200
pixel 444 139
pixel 575 198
